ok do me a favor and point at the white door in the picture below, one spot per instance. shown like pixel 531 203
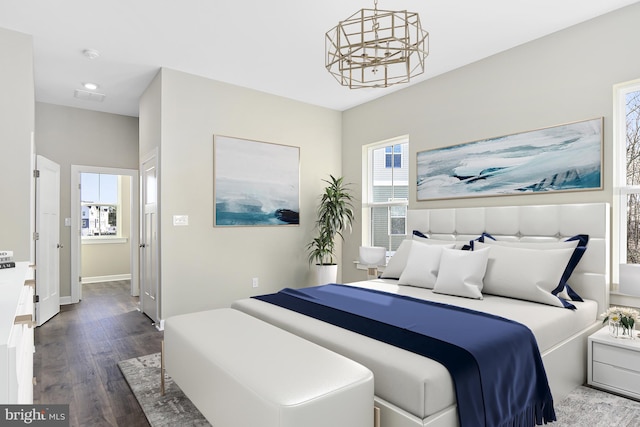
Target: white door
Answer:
pixel 149 268
pixel 48 239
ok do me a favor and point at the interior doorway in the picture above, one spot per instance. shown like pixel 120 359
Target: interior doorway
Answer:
pixel 104 224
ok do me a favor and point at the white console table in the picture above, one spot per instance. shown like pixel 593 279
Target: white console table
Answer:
pixel 614 363
pixel 16 334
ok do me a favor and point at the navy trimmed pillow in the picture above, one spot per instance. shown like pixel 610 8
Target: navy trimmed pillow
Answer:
pixel 480 239
pixel 580 240
pixel 423 238
pixel 420 234
pixel 526 273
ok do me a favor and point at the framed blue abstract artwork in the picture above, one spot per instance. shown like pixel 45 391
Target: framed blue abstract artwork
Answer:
pixel 567 157
pixel 255 183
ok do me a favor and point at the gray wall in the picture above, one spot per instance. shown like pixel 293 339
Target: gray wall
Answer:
pixel 150 120
pixel 16 127
pixel 72 136
pixel 567 76
pixel 204 266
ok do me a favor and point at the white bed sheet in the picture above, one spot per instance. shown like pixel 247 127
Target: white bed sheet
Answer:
pixel 550 325
pixel 414 383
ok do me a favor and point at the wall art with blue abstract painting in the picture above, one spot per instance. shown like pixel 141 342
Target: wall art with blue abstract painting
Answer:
pixel 560 158
pixel 255 183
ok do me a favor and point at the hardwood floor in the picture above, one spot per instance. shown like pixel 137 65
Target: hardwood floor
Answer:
pixel 77 352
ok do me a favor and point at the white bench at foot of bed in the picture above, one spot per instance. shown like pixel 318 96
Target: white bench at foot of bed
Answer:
pixel 240 371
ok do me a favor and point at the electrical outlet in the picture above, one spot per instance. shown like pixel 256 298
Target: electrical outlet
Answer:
pixel 255 282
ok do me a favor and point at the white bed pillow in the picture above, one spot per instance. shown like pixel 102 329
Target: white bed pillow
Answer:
pixel 525 273
pixel 430 241
pixel 566 290
pixel 422 265
pixel 461 272
pixel 533 245
pixel 398 261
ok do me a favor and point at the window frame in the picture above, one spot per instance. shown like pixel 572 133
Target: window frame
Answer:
pixel 367 190
pixel 105 238
pixel 621 189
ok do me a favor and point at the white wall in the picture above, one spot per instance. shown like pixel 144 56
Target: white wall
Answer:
pixel 567 76
pixel 16 126
pixel 203 266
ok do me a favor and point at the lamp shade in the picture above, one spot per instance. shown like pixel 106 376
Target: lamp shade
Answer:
pixel 372 255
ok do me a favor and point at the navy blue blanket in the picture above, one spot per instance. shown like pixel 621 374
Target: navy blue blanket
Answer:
pixel 495 363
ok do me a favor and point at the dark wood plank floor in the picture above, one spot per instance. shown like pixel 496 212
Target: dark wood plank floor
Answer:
pixel 77 352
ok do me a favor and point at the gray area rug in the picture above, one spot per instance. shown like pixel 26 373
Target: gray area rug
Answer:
pixel 172 409
pixel 587 407
pixel 584 407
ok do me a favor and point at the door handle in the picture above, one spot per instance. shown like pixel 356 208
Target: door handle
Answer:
pixel 59 246
pixel 143 245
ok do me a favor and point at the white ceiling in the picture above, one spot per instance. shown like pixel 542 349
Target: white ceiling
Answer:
pixel 272 46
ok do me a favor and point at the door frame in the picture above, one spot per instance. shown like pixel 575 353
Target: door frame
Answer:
pixel 154 156
pixel 32 204
pixel 76 240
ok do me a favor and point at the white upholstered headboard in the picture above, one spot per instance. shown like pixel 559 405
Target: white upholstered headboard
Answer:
pixel 591 279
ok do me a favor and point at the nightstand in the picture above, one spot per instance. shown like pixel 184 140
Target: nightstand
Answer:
pixel 614 363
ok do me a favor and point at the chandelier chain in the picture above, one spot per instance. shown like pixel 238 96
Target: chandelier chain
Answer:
pixel 376 26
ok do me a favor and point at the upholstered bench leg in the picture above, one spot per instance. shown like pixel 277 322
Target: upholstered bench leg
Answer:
pixel 162 368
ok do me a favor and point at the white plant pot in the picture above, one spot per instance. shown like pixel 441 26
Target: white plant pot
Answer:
pixel 326 274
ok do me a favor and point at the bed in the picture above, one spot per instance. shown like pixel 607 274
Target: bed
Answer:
pixel 412 390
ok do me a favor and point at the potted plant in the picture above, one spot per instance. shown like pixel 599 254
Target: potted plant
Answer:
pixel 335 214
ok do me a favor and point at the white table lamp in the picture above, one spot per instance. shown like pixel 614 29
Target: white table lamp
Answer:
pixel 373 257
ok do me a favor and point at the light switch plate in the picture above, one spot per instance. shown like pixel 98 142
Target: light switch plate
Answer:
pixel 180 220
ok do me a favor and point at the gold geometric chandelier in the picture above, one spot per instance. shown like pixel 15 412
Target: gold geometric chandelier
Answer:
pixel 376 48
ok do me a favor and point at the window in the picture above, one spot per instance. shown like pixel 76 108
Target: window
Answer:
pixel 393 156
pixel 397 220
pixel 387 193
pixel 627 141
pixel 99 197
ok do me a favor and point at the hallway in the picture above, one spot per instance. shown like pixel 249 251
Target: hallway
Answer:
pixel 77 353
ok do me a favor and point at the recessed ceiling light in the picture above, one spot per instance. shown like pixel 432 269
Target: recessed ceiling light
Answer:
pixel 90 86
pixel 91 53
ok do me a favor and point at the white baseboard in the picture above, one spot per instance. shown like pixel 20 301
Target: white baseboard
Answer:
pixel 65 300
pixel 112 278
